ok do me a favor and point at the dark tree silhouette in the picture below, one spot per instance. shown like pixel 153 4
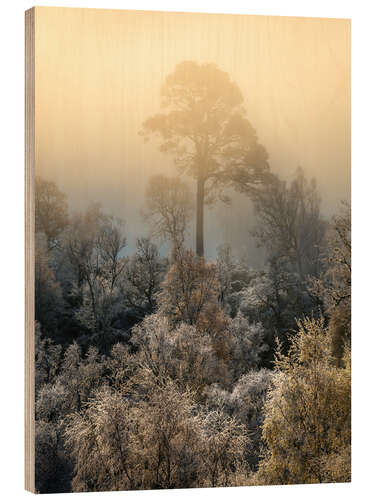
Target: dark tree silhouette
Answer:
pixel 204 127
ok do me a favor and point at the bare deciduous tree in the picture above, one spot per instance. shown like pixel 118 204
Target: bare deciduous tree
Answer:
pixel 142 278
pixel 169 208
pixel 290 223
pixel 51 210
pixel 93 246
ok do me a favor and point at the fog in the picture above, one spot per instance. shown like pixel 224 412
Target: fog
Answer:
pixel 99 74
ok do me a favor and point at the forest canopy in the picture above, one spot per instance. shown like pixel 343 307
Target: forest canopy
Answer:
pixel 174 372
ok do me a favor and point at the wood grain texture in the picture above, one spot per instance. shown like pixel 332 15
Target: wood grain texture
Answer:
pixel 29 250
pixel 97 76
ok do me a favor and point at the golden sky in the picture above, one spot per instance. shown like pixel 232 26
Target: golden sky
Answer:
pixel 99 73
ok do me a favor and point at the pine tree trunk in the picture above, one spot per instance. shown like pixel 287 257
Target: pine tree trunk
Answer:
pixel 199 226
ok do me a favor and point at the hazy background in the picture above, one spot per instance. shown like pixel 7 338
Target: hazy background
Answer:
pixel 98 77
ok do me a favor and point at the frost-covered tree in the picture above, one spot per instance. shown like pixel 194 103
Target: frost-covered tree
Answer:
pixel 333 286
pixel 233 276
pixel 276 297
pixel 224 440
pixel 99 440
pixel 247 344
pixel 180 353
pixel 51 211
pixel 190 286
pixel 47 359
pixel 120 366
pixel 142 277
pixel 290 224
pixel 190 294
pixel 168 439
pixel 94 244
pixel 64 386
pixel 53 402
pixel 164 440
pixel 308 413
pixel 77 379
pixel 249 395
pixel 245 402
pixel 81 374
pixel 48 293
pixel 120 446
